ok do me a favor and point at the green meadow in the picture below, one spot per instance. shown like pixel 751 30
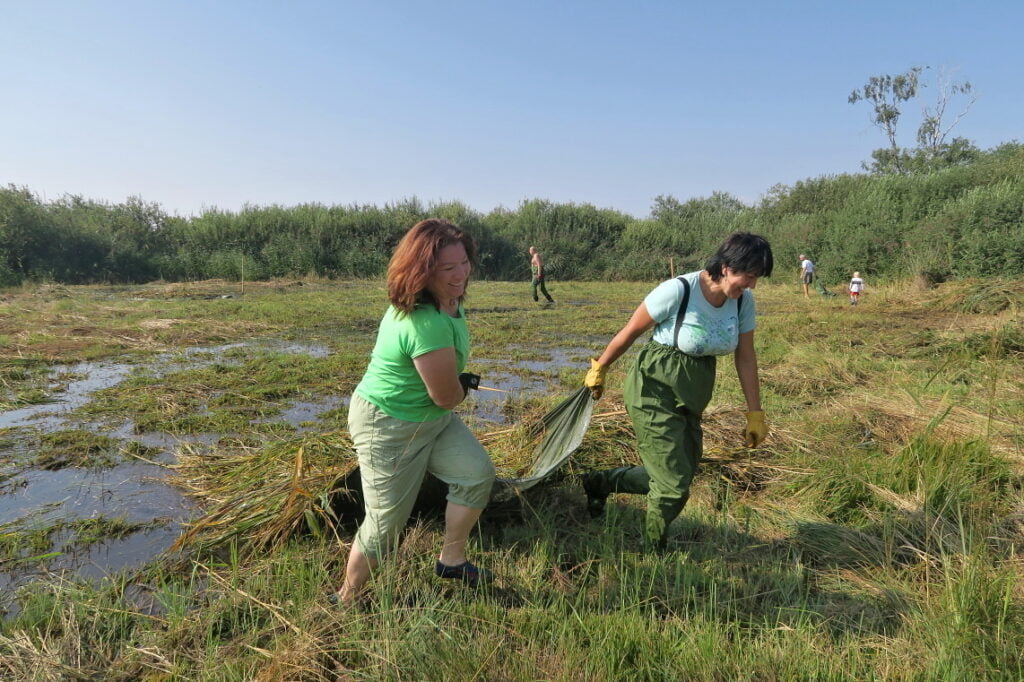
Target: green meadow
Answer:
pixel 877 534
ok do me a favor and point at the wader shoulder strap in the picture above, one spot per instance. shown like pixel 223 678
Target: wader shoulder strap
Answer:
pixel 681 313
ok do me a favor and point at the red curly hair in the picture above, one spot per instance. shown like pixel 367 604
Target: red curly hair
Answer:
pixel 415 258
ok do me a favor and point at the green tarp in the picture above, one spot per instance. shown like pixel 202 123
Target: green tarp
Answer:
pixel 563 429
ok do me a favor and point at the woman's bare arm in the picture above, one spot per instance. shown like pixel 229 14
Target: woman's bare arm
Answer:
pixel 438 371
pixel 640 322
pixel 745 358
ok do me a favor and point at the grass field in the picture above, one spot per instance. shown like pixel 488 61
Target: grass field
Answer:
pixel 878 533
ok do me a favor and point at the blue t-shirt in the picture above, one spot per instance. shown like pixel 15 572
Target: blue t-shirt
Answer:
pixel 706 330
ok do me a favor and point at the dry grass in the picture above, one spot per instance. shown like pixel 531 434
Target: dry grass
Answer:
pixel 36 659
pixel 262 497
pixel 892 421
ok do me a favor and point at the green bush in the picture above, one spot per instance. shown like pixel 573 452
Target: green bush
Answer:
pixel 964 220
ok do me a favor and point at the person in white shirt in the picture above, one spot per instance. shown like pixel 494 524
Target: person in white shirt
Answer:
pixel 806 274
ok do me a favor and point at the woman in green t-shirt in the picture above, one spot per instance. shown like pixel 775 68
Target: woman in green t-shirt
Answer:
pixel 400 417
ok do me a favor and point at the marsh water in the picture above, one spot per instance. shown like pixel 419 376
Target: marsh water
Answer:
pixel 136 490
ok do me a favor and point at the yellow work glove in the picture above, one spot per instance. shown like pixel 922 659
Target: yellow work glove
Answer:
pixel 756 430
pixel 595 378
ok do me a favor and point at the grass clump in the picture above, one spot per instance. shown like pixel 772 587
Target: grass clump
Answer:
pixel 263 496
pixel 984 296
pixel 38 539
pixel 76 448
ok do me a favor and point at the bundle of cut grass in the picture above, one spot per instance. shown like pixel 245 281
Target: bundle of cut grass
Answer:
pixel 261 497
pixel 986 296
pixel 610 442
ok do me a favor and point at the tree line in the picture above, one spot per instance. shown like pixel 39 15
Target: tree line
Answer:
pixel 962 218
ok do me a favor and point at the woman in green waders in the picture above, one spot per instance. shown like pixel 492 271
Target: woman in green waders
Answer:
pixel 672 378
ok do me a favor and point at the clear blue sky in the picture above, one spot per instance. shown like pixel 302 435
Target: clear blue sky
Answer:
pixel 223 103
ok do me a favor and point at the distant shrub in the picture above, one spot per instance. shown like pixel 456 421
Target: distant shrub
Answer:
pixel 964 220
pixel 8 278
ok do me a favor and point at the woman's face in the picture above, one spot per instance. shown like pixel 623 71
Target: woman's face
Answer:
pixel 733 282
pixel 451 273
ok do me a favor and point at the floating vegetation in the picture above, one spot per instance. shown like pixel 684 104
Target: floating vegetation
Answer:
pixel 37 539
pixel 80 448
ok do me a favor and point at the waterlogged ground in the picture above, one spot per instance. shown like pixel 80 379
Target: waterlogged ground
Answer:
pixel 87 446
pixel 92 491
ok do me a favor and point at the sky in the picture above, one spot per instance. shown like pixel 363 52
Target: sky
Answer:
pixel 222 104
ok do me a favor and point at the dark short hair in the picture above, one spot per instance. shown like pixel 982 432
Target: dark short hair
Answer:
pixel 743 252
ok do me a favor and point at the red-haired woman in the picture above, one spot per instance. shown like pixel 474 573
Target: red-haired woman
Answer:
pixel 400 417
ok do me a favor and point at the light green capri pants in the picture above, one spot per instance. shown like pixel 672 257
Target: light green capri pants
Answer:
pixel 395 455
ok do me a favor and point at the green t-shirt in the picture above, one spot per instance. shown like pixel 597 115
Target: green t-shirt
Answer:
pixel 391 381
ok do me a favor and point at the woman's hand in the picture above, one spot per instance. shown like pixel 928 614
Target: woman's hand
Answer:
pixel 595 378
pixel 469 380
pixel 757 429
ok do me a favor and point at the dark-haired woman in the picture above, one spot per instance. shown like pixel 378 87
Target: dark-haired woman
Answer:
pixel 671 381
pixel 400 417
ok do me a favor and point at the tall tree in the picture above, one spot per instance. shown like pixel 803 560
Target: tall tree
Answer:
pixel 931 136
pixel 887 95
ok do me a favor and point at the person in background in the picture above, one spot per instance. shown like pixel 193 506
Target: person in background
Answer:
pixel 856 286
pixel 537 270
pixel 806 274
pixel 401 418
pixel 695 317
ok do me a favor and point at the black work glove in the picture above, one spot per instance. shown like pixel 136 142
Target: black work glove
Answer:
pixel 469 380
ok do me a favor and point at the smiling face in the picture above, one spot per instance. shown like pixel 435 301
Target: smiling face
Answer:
pixel 450 274
pixel 733 283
